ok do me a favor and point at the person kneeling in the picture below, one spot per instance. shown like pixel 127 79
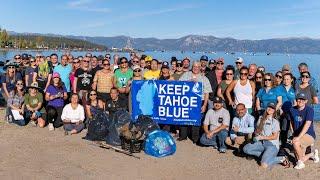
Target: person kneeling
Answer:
pixel 242 128
pixel 73 116
pixel 218 119
pixel 266 140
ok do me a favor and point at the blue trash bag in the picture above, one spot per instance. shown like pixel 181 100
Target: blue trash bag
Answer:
pixel 159 144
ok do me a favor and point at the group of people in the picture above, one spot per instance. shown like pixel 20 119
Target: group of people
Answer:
pixel 243 107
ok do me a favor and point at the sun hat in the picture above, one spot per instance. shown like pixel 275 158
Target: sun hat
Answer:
pixel 10 63
pixel 34 85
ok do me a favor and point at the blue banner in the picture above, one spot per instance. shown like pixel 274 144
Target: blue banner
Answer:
pixel 167 102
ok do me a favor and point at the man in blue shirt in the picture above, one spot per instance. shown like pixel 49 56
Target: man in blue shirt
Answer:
pixel 301 117
pixel 64 70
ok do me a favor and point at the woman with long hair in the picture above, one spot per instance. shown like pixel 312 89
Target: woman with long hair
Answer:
pixel 15 104
pixel 266 141
pixel 9 79
pixel 267 94
pixel 55 95
pixel 221 92
pixel 75 66
pixel 258 79
pixel 307 89
pixel 93 105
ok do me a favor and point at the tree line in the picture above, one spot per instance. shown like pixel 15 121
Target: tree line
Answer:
pixel 43 42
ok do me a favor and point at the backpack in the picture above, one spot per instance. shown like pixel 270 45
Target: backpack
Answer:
pixel 98 127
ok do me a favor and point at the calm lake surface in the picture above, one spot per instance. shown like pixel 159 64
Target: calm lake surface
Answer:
pixel 272 62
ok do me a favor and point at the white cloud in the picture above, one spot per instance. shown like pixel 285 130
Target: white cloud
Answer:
pixel 86 5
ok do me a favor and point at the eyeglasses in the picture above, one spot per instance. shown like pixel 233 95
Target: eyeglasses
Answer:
pixel 267 79
pixel 123 62
pixel 93 94
pixel 229 74
pixel 238 62
pixel 245 74
pixel 278 76
pixel 137 70
pixel 305 76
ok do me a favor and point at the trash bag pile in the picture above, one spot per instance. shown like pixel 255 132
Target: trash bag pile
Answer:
pixel 143 133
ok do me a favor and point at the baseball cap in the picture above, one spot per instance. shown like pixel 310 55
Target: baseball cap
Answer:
pixel 24 56
pixel 179 63
pixel 212 61
pixel 271 105
pixel 204 58
pixel 148 58
pixel 239 59
pixel 165 64
pixel 135 67
pixel 55 75
pixel 301 96
pixel 217 100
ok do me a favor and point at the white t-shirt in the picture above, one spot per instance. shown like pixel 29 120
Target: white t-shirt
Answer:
pixel 74 115
pixel 215 118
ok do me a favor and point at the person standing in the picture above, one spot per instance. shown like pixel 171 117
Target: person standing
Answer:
pixel 83 80
pixel 64 69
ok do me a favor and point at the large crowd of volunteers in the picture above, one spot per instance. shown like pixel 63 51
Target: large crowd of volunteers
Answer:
pixel 244 107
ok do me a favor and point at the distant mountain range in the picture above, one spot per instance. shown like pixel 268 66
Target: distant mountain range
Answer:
pixel 204 43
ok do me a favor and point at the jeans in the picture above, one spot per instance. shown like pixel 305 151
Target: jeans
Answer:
pixel 220 136
pixel 54 116
pixel 70 127
pixel 266 149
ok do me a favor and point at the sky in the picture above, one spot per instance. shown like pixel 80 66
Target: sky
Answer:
pixel 241 19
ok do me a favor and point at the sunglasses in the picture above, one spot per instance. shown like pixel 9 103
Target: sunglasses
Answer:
pixel 93 94
pixel 135 61
pixel 137 70
pixel 76 62
pixel 19 84
pixel 305 76
pixel 229 74
pixel 107 64
pixel 32 61
pixel 238 62
pixel 278 76
pixel 221 63
pixel 86 61
pixel 267 79
pixel 244 74
pixel 259 77
pixel 11 67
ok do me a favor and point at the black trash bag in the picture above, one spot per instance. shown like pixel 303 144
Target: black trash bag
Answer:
pixel 120 118
pixel 98 127
pixel 145 124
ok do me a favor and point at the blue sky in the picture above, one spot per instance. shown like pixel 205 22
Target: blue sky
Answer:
pixel 242 19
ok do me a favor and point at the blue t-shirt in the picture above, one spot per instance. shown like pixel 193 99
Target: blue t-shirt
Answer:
pixel 64 72
pixel 298 119
pixel 288 97
pixel 52 90
pixel 267 97
pixel 11 82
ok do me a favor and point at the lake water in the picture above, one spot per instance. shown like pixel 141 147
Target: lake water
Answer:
pixel 272 62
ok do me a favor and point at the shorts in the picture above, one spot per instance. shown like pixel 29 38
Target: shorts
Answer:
pixel 306 141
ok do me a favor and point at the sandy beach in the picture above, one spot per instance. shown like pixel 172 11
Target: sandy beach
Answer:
pixel 34 153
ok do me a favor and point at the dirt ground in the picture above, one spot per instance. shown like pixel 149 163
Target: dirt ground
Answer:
pixel 34 153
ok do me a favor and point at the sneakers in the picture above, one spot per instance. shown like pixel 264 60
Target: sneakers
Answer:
pixel 222 150
pixel 33 123
pixel 50 126
pixel 300 165
pixel 315 156
pixel 215 147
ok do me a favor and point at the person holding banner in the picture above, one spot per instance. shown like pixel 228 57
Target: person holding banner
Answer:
pixel 196 76
pixel 215 126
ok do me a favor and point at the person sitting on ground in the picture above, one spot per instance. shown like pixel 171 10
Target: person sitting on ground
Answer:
pixel 33 101
pixel 115 103
pixel 73 116
pixel 242 128
pixel 301 117
pixel 94 104
pixel 215 126
pixel 16 104
pixel 55 95
pixel 266 141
